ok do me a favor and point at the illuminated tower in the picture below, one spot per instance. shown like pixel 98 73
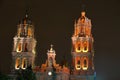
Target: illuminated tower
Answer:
pixel 82 50
pixel 23 53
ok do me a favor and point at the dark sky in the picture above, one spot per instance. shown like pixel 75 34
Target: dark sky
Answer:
pixel 54 24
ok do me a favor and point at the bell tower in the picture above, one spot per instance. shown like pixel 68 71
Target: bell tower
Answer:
pixel 23 54
pixel 82 50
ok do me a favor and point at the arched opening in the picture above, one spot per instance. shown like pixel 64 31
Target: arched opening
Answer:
pixel 78 47
pixel 78 63
pixel 24 63
pixel 17 63
pixel 19 48
pixel 85 49
pixel 25 47
pixel 85 64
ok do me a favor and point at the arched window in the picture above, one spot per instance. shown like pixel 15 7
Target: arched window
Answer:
pixel 24 63
pixel 85 64
pixel 78 63
pixel 17 64
pixel 85 47
pixel 78 47
pixel 19 48
pixel 25 47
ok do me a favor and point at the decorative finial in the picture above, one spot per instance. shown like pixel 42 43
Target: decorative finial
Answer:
pixel 26 15
pixel 83 13
pixel 27 8
pixel 51 49
pixel 27 12
pixel 83 10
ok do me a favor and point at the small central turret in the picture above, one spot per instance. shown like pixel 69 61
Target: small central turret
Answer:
pixel 51 57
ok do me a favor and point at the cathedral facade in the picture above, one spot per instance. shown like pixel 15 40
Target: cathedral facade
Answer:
pixel 82 66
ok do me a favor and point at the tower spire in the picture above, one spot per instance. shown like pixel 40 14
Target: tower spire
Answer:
pixel 51 49
pixel 26 13
pixel 27 8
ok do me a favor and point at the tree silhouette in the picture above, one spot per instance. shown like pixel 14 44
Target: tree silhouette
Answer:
pixel 26 74
pixel 3 77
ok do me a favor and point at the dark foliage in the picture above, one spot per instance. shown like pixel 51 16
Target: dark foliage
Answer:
pixel 26 74
pixel 3 76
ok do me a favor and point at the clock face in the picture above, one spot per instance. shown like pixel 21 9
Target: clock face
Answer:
pixel 50 73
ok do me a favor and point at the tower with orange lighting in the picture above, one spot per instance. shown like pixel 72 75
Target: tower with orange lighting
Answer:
pixel 82 50
pixel 23 54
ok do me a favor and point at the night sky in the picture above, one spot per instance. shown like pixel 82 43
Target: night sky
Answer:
pixel 54 24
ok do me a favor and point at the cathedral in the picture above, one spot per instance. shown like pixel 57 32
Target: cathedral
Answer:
pixel 82 51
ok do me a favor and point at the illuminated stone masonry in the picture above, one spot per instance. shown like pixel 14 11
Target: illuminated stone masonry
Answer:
pixel 82 50
pixel 23 54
